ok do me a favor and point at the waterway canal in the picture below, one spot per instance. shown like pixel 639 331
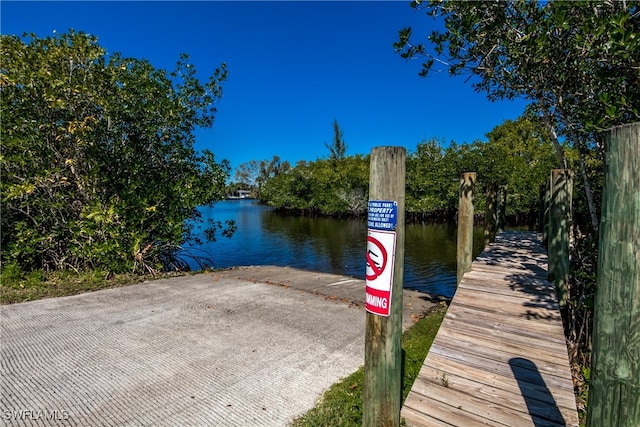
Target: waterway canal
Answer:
pixel 327 245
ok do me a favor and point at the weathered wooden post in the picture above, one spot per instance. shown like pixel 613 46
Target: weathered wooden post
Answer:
pixel 545 198
pixel 502 208
pixel 561 190
pixel 614 394
pixel 384 276
pixel 464 254
pixel 490 216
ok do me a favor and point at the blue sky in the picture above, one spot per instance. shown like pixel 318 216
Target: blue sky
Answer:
pixel 293 67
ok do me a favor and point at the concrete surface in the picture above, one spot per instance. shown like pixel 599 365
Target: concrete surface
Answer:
pixel 250 346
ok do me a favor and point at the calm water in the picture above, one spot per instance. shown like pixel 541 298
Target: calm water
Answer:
pixel 328 245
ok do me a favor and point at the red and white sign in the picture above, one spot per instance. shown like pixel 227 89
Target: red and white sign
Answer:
pixel 381 250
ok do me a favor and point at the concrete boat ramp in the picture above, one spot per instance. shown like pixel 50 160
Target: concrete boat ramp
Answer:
pixel 251 346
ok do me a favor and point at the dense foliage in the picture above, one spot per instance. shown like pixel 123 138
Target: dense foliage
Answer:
pixel 98 165
pixel 253 174
pixel 518 154
pixel 578 63
pixel 337 185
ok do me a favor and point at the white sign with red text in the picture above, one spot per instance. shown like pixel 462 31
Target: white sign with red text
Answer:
pixel 381 249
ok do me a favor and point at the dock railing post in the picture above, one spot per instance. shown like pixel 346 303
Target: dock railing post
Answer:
pixel 545 197
pixel 501 208
pixel 561 190
pixel 385 270
pixel 490 216
pixel 614 394
pixel 464 253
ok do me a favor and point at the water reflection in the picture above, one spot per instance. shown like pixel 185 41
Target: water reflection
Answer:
pixel 329 245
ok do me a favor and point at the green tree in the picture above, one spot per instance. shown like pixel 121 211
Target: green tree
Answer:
pixel 577 62
pixel 272 168
pixel 351 185
pixel 338 147
pixel 290 191
pixel 246 175
pixel 253 174
pixel 335 186
pixel 519 154
pixel 431 186
pixel 321 187
pixel 98 165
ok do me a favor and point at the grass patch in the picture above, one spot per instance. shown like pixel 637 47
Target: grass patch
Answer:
pixel 341 405
pixel 16 286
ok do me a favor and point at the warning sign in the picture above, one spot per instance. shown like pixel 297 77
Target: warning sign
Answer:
pixel 382 215
pixel 381 248
pixel 377 257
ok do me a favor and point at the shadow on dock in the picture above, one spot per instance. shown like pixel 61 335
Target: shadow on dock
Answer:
pixel 500 355
pixel 540 402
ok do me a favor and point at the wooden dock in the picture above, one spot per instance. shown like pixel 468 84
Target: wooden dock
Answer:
pixel 499 358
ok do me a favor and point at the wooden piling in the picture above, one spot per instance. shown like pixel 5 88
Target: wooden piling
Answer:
pixel 545 197
pixel 614 394
pixel 501 208
pixel 490 216
pixel 383 339
pixel 561 190
pixel 464 254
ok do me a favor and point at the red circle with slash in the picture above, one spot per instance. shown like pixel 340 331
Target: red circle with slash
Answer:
pixel 376 267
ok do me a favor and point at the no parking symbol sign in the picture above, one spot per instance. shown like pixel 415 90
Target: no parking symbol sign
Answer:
pixel 381 249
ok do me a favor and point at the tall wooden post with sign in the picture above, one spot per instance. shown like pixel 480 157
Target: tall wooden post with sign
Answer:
pixel 384 276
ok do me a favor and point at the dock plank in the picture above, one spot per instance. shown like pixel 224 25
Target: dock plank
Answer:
pixel 500 357
pixel 438 366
